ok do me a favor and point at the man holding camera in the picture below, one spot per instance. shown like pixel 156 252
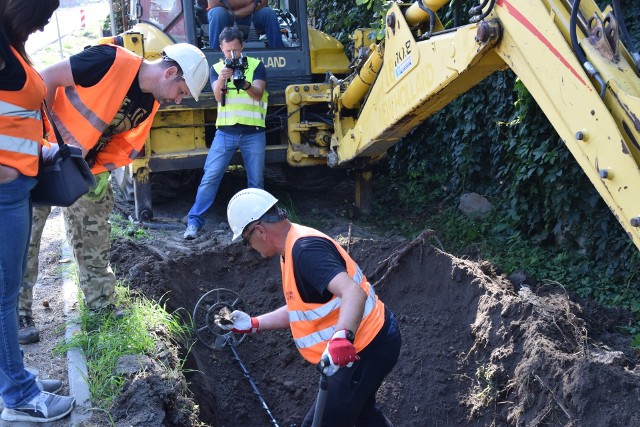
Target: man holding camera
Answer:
pixel 239 85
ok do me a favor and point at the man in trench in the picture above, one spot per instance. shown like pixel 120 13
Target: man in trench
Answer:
pixel 331 308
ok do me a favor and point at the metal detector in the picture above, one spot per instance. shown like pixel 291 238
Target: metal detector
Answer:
pixel 216 338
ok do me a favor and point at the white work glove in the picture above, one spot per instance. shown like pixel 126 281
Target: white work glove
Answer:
pixel 339 352
pixel 242 323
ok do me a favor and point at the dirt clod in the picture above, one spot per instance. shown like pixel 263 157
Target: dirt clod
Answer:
pixel 223 317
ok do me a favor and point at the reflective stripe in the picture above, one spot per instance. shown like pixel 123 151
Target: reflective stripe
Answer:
pixel 134 154
pixel 322 311
pixel 245 101
pixel 334 304
pixel 109 166
pixel 19 145
pixel 316 313
pixel 11 110
pixel 66 134
pixel 85 111
pixel 241 113
pixel 357 277
pixel 316 337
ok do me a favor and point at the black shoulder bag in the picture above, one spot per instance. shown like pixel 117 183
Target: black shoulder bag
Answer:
pixel 63 177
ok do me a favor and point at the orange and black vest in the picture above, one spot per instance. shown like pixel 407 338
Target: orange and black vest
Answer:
pixel 21 127
pixel 313 324
pixel 83 114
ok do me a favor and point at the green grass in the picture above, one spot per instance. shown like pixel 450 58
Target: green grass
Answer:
pixel 122 227
pixel 103 339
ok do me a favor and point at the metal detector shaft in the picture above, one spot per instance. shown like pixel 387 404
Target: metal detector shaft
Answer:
pixel 253 386
pixel 321 400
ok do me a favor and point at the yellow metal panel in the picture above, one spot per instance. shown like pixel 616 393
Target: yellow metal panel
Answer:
pixel 536 49
pixel 177 130
pixel 327 54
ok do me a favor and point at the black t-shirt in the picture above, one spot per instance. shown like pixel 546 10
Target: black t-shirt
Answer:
pixel 12 76
pixel 89 67
pixel 316 261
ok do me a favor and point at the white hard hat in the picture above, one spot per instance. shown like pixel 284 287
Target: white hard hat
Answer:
pixel 247 206
pixel 195 68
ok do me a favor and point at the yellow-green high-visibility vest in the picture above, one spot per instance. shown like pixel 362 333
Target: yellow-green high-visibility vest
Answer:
pixel 239 107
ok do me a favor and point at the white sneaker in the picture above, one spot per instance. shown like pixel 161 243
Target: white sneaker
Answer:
pixel 43 408
pixel 191 232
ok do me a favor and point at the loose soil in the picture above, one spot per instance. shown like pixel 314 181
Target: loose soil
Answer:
pixel 478 349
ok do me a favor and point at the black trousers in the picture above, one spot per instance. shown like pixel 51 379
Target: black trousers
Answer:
pixel 351 398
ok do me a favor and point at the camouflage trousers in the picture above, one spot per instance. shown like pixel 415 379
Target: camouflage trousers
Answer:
pixel 89 234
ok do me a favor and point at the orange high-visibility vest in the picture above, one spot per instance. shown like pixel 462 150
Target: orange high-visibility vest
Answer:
pixel 21 127
pixel 313 324
pixel 83 114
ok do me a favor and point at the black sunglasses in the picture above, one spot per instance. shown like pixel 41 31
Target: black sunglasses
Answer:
pixel 247 240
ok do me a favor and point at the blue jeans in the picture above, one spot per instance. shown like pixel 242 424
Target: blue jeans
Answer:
pixel 265 19
pixel 351 397
pixel 223 147
pixel 17 385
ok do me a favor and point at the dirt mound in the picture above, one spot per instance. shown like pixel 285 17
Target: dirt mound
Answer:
pixel 477 349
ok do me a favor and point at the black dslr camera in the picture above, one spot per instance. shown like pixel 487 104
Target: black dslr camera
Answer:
pixel 238 65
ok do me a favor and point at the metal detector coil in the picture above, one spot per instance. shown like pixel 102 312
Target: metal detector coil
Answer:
pixel 217 338
pixel 206 308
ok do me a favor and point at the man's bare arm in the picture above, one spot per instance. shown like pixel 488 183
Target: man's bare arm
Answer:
pixel 55 76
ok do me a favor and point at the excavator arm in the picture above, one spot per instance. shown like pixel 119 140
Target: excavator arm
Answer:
pixel 589 88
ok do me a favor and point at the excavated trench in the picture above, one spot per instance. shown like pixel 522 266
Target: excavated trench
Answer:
pixel 477 348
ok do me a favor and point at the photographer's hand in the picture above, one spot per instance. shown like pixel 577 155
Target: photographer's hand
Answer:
pixel 225 73
pixel 220 86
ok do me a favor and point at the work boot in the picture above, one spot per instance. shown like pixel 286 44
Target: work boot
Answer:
pixel 28 333
pixel 191 232
pixel 43 408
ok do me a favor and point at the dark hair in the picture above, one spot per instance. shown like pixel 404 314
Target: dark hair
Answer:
pixel 230 34
pixel 168 62
pixel 18 19
pixel 274 214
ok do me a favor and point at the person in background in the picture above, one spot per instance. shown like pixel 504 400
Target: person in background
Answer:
pixel 240 125
pixel 201 9
pixel 226 13
pixel 111 130
pixel 21 139
pixel 330 307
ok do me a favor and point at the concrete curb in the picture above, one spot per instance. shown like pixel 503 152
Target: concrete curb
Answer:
pixel 77 366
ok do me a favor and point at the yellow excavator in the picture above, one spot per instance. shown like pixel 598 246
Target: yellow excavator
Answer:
pixel 577 61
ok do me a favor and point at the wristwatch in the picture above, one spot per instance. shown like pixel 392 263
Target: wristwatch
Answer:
pixel 350 335
pixel 247 88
